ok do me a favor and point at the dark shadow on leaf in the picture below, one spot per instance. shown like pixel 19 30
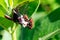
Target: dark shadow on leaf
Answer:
pixel 54 15
pixel 1 28
pixel 50 39
pixel 58 1
pixel 0 36
pixel 57 36
pixel 40 9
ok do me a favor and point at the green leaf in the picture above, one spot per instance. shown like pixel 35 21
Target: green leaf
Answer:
pixel 18 32
pixel 4 5
pixel 20 2
pixel 10 3
pixel 57 36
pixel 28 7
pixel 2 11
pixel 50 35
pixel 16 2
pixel 55 15
pixel 51 22
pixel 5 23
pixel 42 25
pixel 57 1
pixel 1 28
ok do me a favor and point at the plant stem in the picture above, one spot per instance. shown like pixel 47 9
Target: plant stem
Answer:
pixel 36 8
pixel 13 35
pixel 50 35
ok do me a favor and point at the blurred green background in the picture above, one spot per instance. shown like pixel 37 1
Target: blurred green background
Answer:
pixel 45 14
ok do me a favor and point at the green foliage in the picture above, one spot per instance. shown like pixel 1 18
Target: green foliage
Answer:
pixel 46 16
pixel 58 1
pixel 5 22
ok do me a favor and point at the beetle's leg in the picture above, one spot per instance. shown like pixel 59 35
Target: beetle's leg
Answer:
pixel 8 17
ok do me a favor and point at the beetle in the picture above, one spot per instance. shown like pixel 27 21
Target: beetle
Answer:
pixel 21 19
